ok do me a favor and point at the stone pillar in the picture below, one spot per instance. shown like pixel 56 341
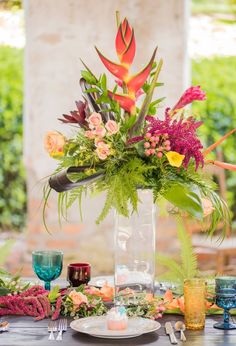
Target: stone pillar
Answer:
pixel 58 33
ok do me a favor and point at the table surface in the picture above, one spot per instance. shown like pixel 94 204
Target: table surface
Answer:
pixel 25 332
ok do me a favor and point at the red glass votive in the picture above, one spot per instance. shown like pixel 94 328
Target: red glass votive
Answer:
pixel 78 274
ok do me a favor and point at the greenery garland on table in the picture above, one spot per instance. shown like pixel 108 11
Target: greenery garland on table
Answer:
pixel 19 298
pixel 122 141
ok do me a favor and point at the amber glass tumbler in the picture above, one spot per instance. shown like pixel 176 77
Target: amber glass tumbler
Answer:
pixel 195 303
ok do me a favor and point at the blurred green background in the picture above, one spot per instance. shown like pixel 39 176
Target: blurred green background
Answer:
pixel 216 75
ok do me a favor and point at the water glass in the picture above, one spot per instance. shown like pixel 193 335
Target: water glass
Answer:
pixel 47 265
pixel 195 303
pixel 78 274
pixel 226 299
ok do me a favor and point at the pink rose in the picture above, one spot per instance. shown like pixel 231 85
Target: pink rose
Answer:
pixel 54 143
pixel 103 150
pixel 89 134
pixel 100 131
pixel 78 298
pixel 112 127
pixel 97 141
pixel 95 119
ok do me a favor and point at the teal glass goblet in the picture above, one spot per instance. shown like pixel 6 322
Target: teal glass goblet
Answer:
pixel 47 266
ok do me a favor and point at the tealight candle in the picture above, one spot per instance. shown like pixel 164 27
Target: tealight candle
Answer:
pixel 117 318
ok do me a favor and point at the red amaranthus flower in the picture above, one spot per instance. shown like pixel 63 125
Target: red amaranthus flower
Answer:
pixel 182 136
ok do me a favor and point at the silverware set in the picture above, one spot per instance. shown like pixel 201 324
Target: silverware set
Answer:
pixel 179 327
pixel 57 327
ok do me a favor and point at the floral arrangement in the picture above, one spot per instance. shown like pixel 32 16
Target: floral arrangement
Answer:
pixel 86 301
pixel 123 141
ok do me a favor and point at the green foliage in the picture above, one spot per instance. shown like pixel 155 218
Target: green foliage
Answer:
pixel 186 268
pixel 12 175
pixel 217 76
pixel 5 250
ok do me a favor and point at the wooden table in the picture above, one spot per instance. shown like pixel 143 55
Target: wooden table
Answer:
pixel 25 332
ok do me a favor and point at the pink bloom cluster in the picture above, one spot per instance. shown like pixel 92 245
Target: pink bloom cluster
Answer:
pixel 32 302
pixel 98 131
pixel 155 144
pixel 193 93
pixel 181 134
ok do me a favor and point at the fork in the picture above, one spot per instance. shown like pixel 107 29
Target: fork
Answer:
pixel 62 327
pixel 52 327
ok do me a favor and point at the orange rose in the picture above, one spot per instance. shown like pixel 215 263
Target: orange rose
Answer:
pixel 54 143
pixel 78 298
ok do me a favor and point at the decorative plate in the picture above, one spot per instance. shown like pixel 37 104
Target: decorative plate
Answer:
pixel 96 326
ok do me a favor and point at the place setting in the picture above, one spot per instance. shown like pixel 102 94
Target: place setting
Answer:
pixel 150 162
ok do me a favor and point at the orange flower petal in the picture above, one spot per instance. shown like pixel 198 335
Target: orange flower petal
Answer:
pixel 223 165
pixel 127 56
pixel 117 70
pixel 137 81
pixel 214 145
pixel 120 43
pixel 126 102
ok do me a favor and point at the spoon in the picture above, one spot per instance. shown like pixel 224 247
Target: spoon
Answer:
pixel 180 327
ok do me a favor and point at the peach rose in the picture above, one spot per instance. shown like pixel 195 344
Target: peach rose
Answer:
pixel 89 134
pixel 207 207
pixel 78 298
pixel 112 127
pixel 54 143
pixel 102 150
pixel 100 131
pixel 95 119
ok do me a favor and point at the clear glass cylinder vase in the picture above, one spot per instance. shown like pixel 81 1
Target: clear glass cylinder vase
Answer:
pixel 135 251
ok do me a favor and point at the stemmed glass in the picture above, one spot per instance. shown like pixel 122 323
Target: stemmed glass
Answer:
pixel 226 299
pixel 47 266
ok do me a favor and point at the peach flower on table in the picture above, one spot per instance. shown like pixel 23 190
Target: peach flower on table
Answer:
pixel 112 127
pixel 103 150
pixel 54 143
pixel 78 298
pixel 95 119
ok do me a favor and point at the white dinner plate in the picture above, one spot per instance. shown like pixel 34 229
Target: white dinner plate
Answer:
pixel 96 326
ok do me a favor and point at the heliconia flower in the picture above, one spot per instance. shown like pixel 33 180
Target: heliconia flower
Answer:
pixel 103 150
pixel 138 93
pixel 194 93
pixel 100 131
pixel 134 83
pixel 112 127
pixel 54 143
pixel 79 116
pixel 117 70
pixel 95 119
pixel 175 159
pixel 126 102
pixel 125 43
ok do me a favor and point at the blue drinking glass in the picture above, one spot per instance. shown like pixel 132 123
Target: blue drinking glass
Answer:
pixel 226 299
pixel 47 266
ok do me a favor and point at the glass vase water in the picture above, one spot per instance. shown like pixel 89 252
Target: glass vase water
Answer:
pixel 135 251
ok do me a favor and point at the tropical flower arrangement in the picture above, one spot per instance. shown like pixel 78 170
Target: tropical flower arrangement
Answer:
pixel 123 141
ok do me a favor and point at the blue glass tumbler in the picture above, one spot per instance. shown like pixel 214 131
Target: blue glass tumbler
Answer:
pixel 226 299
pixel 47 266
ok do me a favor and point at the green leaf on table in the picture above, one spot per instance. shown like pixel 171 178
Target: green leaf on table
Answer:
pixel 54 294
pixel 186 198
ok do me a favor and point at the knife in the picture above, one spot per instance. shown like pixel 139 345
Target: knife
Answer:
pixel 170 332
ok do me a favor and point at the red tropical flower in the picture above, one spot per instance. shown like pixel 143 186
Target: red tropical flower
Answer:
pixel 78 116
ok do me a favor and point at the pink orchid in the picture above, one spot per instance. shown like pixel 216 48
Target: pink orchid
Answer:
pixel 193 93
